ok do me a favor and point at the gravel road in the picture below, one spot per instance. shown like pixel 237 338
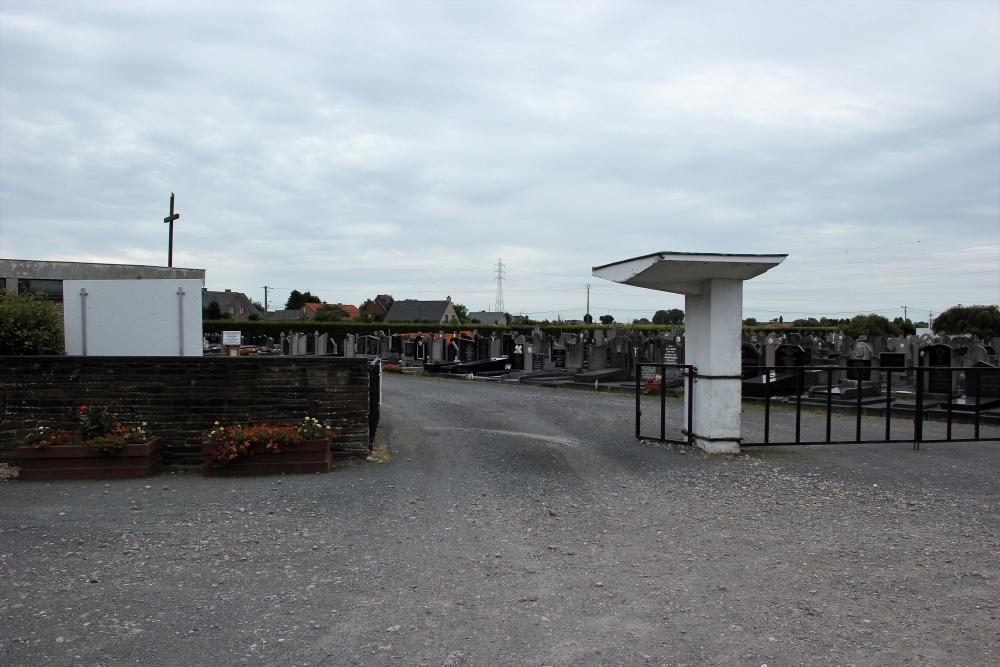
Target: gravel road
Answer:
pixel 516 526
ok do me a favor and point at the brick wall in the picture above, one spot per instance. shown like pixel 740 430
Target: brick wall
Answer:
pixel 181 397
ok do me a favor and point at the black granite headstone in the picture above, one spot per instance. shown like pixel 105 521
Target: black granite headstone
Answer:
pixel 791 355
pixel 892 360
pixel 859 369
pixel 938 356
pixel 559 357
pixel 987 384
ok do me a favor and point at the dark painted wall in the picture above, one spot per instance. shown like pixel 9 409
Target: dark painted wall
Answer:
pixel 181 397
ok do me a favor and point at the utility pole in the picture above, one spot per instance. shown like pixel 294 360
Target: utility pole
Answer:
pixel 265 300
pixel 587 316
pixel 904 313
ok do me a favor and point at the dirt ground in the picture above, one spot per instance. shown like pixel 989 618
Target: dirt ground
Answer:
pixel 516 526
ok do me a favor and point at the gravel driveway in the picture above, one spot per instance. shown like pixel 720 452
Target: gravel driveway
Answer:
pixel 516 526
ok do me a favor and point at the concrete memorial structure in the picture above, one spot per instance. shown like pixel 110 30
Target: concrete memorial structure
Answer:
pixel 712 285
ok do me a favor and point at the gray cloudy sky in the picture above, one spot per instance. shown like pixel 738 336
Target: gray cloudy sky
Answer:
pixel 357 148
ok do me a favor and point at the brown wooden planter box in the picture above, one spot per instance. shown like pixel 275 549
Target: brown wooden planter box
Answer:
pixel 82 462
pixel 307 456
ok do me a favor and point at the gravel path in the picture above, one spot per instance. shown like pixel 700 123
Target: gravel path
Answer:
pixel 516 526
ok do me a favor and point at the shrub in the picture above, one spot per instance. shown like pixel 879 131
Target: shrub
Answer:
pixel 29 324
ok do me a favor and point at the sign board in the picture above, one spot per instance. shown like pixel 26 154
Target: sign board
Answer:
pixel 133 318
pixel 232 338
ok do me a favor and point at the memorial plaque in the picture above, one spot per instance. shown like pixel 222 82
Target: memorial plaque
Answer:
pixel 619 360
pixel 672 354
pixel 648 373
pixel 421 348
pixel 892 360
pixel 482 348
pixel 859 369
pixel 467 350
pixel 987 384
pixel 537 362
pixel 409 349
pixel 791 355
pixel 559 358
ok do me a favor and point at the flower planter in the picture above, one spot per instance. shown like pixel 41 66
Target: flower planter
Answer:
pixel 307 456
pixel 82 462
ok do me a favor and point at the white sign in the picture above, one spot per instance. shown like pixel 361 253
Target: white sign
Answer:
pixel 133 318
pixel 232 338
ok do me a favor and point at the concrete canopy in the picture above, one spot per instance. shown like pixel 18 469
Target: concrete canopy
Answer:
pixel 685 272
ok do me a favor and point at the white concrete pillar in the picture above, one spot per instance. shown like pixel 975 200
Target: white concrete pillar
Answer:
pixel 713 325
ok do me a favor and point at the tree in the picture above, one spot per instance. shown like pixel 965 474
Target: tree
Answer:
pixel 606 319
pixel 810 322
pixel 672 316
pixel 297 299
pixel 870 325
pixel 906 327
pixel 332 312
pixel 29 324
pixel 214 312
pixel 750 322
pixel 641 320
pixel 462 312
pixel 981 321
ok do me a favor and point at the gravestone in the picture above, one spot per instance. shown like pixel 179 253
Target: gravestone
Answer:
pixel 790 356
pixel 987 384
pixel 892 360
pixel 938 356
pixel 859 370
pixel 516 357
pixel 672 354
pixel 751 361
pixel 466 350
pixel 559 356
pixel 482 347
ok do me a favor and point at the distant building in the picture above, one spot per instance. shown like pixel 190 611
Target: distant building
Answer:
pixel 411 310
pixel 284 315
pixel 379 306
pixel 235 304
pixel 484 317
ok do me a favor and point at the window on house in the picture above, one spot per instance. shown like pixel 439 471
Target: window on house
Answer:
pixel 242 311
pixel 232 310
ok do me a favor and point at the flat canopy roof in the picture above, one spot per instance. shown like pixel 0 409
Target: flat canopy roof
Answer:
pixel 685 272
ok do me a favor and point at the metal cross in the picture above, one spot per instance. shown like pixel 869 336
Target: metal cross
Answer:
pixel 170 219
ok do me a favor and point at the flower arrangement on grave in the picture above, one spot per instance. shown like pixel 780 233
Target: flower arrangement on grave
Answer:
pixel 237 441
pixel 98 429
pixel 392 368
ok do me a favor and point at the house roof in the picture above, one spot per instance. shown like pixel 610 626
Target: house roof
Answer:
pixel 410 310
pixel 378 305
pixel 284 315
pixel 224 299
pixel 352 311
pixel 487 317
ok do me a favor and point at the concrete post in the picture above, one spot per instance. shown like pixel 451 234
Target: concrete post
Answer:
pixel 712 346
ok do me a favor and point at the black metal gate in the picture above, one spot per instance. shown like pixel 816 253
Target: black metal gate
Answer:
pixel 374 398
pixel 655 384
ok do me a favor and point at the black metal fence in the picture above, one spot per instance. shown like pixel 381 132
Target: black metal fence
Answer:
pixel 937 404
pixel 374 398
